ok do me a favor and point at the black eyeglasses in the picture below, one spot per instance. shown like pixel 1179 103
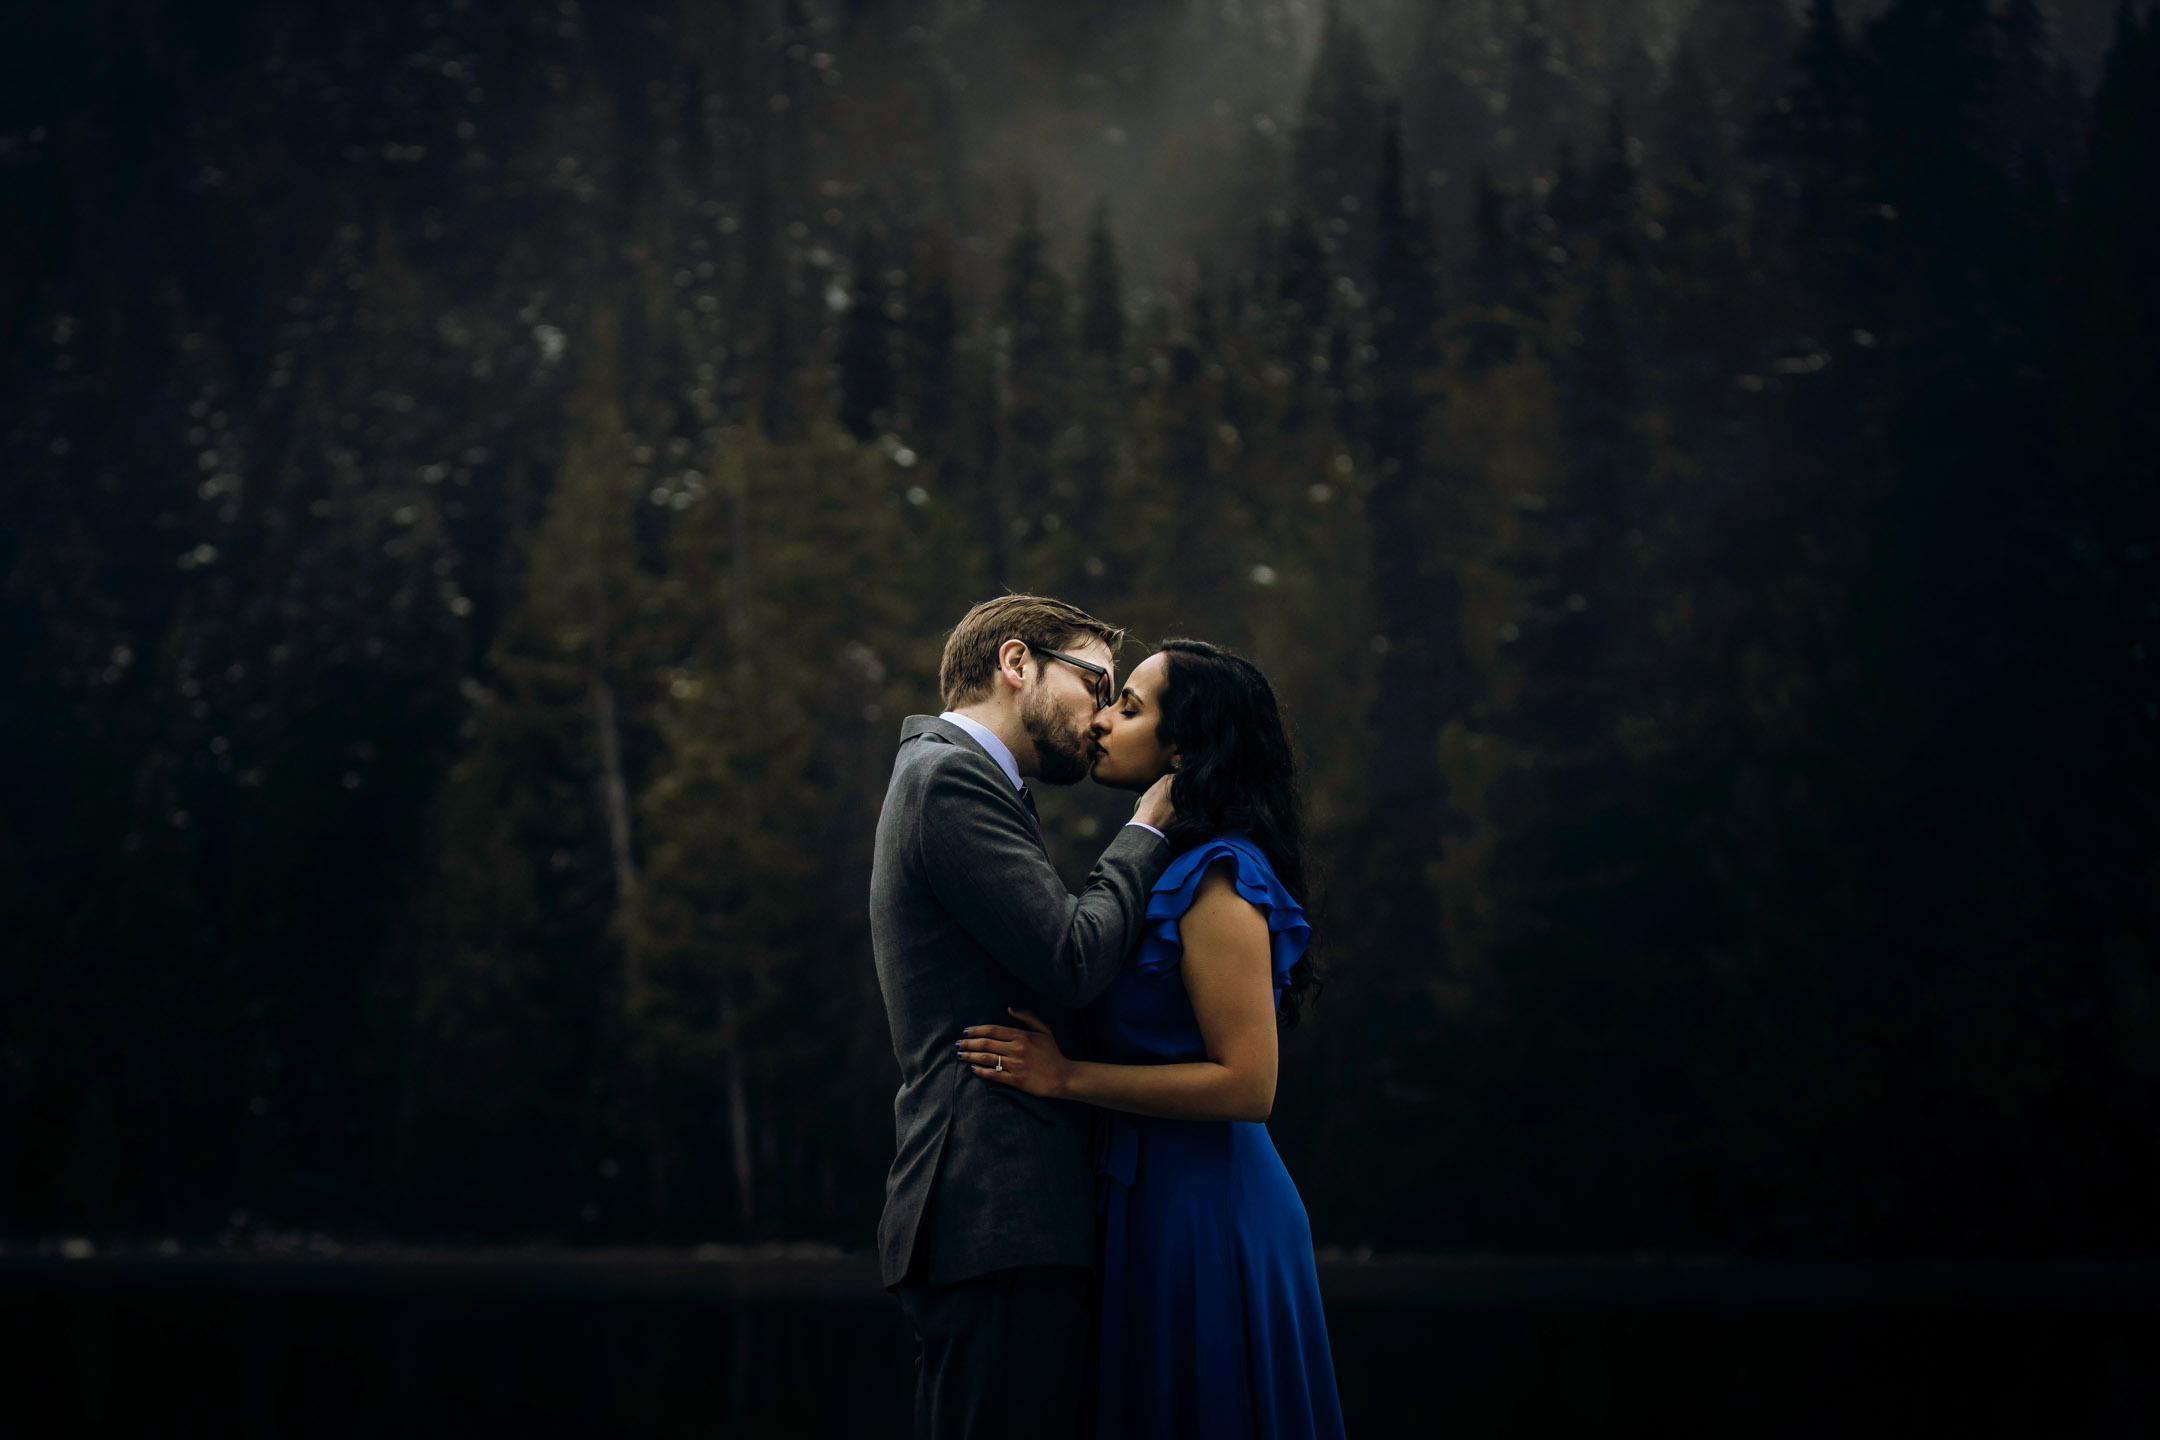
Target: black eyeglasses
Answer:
pixel 1103 693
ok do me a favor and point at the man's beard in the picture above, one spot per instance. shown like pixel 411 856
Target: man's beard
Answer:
pixel 1063 751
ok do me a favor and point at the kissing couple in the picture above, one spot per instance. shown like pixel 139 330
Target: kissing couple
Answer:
pixel 1086 1222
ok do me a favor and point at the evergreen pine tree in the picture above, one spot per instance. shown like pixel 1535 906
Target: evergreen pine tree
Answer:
pixel 1743 47
pixel 929 335
pixel 1705 302
pixel 536 864
pixel 1508 277
pixel 1338 143
pixel 1405 310
pixel 1542 101
pixel 1083 545
pixel 1201 567
pixel 866 345
pixel 1102 301
pixel 2103 618
pixel 1447 115
pixel 2042 114
pixel 780 404
pixel 1035 373
pixel 2109 369
pixel 1635 80
pixel 1579 856
pixel 1817 210
pixel 1585 582
pixel 1687 133
pixel 1303 287
pixel 768 737
pixel 1417 604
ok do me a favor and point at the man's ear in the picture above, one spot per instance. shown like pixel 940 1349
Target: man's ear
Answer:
pixel 1013 656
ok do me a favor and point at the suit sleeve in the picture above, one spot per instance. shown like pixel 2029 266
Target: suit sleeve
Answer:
pixel 982 860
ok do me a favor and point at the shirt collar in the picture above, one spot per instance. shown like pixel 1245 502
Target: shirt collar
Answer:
pixel 984 736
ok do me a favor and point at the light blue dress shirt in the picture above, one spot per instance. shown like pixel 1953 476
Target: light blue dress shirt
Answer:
pixel 984 736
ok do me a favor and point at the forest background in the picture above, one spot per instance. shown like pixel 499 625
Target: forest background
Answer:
pixel 483 481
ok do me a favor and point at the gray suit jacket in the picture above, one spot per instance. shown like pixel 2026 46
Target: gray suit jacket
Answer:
pixel 967 917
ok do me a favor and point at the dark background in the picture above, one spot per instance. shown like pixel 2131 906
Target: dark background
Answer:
pixel 482 482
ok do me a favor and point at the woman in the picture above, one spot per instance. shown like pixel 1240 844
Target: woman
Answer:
pixel 1211 1323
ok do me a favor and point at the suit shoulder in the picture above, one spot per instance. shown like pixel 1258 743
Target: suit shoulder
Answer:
pixel 942 762
pixel 930 768
pixel 959 787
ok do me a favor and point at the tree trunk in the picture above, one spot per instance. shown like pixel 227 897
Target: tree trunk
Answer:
pixel 1005 546
pixel 738 1092
pixel 738 1097
pixel 614 797
pixel 615 810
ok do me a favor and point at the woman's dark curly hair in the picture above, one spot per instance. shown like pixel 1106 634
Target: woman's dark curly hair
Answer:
pixel 1236 773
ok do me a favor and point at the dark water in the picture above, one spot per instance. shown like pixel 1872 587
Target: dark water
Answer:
pixel 348 1351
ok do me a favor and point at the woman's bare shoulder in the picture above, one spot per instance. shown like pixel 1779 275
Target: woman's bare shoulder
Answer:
pixel 1217 906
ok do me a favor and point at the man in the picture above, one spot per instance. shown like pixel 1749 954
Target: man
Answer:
pixel 988 1234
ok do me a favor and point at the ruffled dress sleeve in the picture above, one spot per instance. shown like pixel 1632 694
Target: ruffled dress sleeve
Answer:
pixel 1288 934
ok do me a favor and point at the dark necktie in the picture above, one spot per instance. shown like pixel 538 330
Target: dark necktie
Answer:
pixel 1027 798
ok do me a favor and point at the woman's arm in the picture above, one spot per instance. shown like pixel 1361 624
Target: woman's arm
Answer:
pixel 1227 974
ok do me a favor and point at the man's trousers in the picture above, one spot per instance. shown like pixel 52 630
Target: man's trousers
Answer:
pixel 1001 1356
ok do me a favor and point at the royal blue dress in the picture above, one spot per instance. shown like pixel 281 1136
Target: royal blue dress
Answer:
pixel 1211 1323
